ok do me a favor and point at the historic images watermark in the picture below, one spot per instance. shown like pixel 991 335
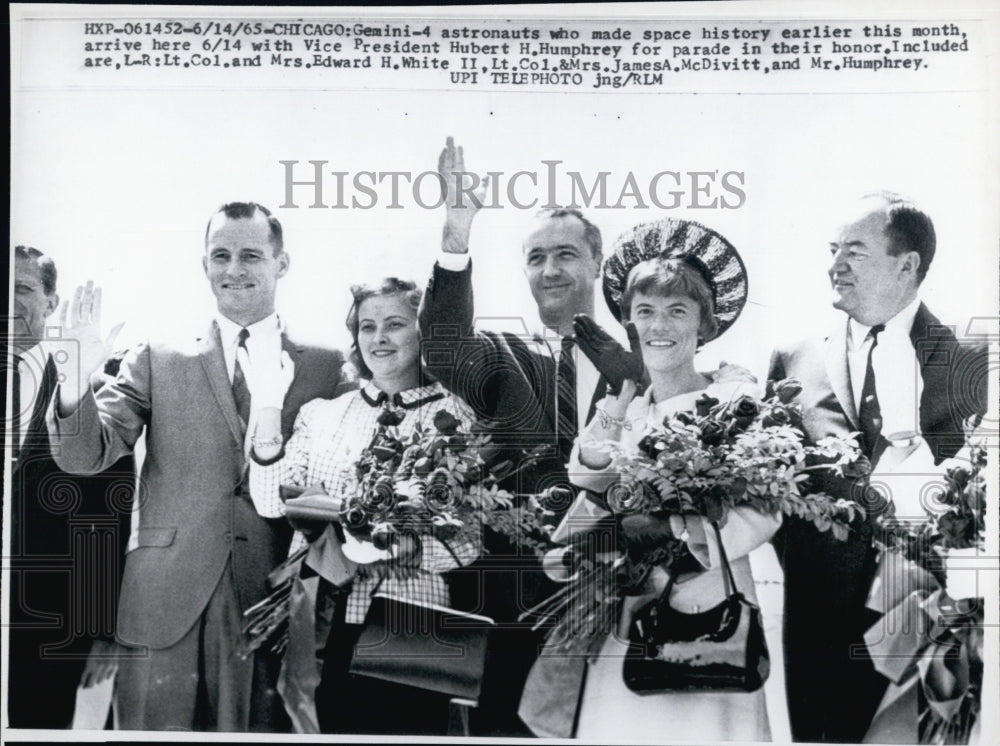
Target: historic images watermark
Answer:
pixel 315 184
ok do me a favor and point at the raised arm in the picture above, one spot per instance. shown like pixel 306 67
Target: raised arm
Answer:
pixel 101 428
pixel 85 350
pixel 464 195
pixel 448 308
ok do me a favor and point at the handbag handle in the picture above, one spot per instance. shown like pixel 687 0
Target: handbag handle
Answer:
pixel 727 570
pixel 728 578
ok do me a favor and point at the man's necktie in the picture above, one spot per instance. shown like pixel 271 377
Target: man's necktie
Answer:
pixel 566 398
pixel 870 413
pixel 241 393
pixel 15 408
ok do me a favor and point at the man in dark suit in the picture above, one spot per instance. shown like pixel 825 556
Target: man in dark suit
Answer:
pixel 888 370
pixel 68 533
pixel 202 553
pixel 529 389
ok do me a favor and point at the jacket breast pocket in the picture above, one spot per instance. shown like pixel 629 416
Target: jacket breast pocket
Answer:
pixel 154 537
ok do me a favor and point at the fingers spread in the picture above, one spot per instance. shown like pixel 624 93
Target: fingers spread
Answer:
pixel 95 306
pixel 75 306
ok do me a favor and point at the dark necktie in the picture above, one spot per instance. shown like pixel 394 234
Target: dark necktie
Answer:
pixel 566 399
pixel 15 409
pixel 870 413
pixel 241 393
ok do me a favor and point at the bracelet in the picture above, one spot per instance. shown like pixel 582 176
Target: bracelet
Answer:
pixel 607 420
pixel 274 442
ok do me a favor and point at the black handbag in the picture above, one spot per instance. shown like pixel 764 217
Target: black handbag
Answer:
pixel 426 646
pixel 722 648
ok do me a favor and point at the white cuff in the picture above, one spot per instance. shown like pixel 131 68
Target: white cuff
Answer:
pixel 453 262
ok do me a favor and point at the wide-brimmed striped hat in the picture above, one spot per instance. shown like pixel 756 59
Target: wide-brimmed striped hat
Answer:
pixel 702 248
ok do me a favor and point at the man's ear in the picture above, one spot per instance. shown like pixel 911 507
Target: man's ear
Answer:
pixel 598 260
pixel 51 304
pixel 912 263
pixel 204 264
pixel 283 263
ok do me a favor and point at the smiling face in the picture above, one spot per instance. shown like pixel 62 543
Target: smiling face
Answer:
pixel 389 341
pixel 241 266
pixel 561 269
pixel 869 283
pixel 668 329
pixel 32 305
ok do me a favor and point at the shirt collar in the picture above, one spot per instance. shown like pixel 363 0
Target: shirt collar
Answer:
pixel 37 355
pixel 230 330
pixel 408 399
pixel 901 323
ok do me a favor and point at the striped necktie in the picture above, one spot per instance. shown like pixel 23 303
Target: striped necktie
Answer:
pixel 241 393
pixel 869 412
pixel 566 399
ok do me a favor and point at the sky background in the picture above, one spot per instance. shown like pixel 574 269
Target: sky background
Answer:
pixel 115 176
pixel 116 180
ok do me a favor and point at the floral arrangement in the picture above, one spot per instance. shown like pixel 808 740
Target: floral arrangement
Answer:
pixel 442 482
pixel 439 482
pixel 934 659
pixel 724 455
pixel 741 453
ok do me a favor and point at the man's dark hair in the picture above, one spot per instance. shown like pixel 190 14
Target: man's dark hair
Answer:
pixel 909 229
pixel 591 233
pixel 46 266
pixel 247 210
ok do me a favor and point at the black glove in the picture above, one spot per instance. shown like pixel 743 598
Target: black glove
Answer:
pixel 610 358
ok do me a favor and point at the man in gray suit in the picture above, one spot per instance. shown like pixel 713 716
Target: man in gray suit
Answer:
pixel 202 553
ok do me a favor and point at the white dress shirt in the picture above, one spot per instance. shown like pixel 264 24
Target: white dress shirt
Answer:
pixel 264 339
pixel 898 382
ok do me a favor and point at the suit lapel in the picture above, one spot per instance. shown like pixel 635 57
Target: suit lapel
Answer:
pixel 214 363
pixel 930 344
pixel 36 436
pixel 835 358
pixel 295 352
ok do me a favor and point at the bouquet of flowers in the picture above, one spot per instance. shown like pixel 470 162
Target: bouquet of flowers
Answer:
pixel 441 482
pixel 928 643
pixel 725 455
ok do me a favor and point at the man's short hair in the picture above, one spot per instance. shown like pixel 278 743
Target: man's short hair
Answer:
pixel 591 233
pixel 909 229
pixel 46 266
pixel 247 211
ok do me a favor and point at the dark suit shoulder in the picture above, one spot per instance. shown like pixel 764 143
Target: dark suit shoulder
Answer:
pixel 320 353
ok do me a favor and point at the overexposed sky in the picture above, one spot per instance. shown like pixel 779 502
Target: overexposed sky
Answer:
pixel 117 184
